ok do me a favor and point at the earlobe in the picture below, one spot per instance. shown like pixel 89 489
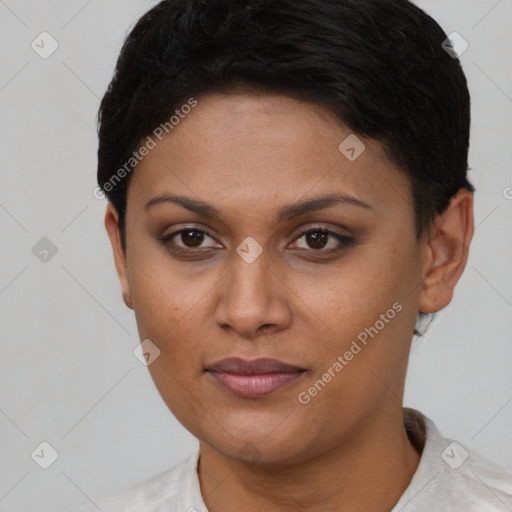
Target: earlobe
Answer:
pixel 447 252
pixel 112 227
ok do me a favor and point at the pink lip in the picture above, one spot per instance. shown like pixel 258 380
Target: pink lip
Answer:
pixel 253 378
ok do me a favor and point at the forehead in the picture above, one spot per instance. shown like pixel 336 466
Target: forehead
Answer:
pixel 246 151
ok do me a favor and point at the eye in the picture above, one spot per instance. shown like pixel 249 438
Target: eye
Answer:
pixel 324 240
pixel 318 240
pixel 190 238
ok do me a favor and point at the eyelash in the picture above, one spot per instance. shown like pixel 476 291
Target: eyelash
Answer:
pixel 344 241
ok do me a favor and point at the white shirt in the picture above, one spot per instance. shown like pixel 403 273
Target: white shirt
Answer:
pixel 450 477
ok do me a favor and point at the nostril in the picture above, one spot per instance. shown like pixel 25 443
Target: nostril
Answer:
pixel 263 328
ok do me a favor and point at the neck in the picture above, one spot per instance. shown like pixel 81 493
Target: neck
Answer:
pixel 368 470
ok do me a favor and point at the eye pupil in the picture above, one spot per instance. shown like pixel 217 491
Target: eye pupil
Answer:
pixel 317 237
pixel 195 236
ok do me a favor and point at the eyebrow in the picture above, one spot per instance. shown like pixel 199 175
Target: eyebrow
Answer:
pixel 287 212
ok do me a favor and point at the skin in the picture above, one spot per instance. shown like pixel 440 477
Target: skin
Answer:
pixel 248 156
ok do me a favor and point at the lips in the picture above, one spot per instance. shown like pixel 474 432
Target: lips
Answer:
pixel 257 367
pixel 252 379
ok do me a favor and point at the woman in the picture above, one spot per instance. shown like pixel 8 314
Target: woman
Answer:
pixel 287 196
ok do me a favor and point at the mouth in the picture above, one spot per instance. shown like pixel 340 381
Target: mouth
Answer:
pixel 253 379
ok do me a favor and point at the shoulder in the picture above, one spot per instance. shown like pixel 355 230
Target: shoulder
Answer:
pixel 160 493
pixel 477 481
pixel 452 476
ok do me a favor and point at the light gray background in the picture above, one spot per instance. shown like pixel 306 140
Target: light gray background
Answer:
pixel 68 374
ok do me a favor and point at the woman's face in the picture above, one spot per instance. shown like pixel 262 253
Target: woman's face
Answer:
pixel 340 306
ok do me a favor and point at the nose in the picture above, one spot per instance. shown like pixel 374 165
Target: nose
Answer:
pixel 254 299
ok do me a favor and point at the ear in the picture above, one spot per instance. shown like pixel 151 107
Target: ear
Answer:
pixel 112 227
pixel 446 252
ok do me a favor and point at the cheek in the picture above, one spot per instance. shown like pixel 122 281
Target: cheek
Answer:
pixel 169 307
pixel 166 309
pixel 351 296
pixel 366 315
pixel 159 297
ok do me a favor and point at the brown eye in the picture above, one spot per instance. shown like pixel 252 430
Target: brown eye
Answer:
pixel 192 238
pixel 318 240
pixel 187 238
